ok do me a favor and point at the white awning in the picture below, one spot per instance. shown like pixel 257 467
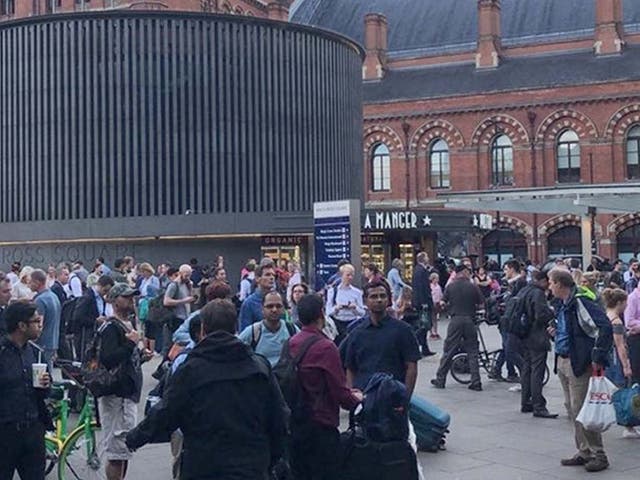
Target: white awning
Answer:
pixel 576 199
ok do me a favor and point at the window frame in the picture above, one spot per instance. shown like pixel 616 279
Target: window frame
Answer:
pixel 374 157
pixel 499 177
pixel 573 172
pixel 441 174
pixel 635 138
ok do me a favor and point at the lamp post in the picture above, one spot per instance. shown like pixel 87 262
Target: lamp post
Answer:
pixel 405 129
pixel 531 116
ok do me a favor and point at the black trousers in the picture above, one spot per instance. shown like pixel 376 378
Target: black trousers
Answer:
pixel 532 377
pixel 315 452
pixel 460 333
pixel 22 450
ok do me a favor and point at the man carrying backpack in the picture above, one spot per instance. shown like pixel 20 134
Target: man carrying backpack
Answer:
pixel 583 340
pixel 226 402
pixel 268 336
pixel 315 440
pixel 535 345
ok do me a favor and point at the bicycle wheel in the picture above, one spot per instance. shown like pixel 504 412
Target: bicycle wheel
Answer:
pixel 82 456
pixel 460 369
pixel 51 455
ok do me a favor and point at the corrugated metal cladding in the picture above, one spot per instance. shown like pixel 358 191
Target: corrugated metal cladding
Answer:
pixel 123 114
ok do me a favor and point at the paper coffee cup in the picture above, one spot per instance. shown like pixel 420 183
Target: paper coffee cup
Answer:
pixel 38 370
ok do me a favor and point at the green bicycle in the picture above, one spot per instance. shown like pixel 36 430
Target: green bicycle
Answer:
pixel 77 455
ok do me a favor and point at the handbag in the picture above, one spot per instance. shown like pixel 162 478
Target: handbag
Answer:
pixel 598 413
pixel 98 379
pixel 626 401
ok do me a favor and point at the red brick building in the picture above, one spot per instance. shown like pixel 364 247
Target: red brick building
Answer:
pixel 474 96
pixel 482 96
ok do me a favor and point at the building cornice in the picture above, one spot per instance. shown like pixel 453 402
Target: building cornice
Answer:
pixel 479 108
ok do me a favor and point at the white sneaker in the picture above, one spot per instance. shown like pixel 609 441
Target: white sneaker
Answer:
pixel 633 433
pixel 515 388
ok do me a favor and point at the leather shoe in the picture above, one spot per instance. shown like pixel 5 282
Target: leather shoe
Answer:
pixel 436 383
pixel 526 409
pixel 476 388
pixel 544 414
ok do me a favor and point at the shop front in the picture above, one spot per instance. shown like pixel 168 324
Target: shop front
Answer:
pixel 389 234
pixel 286 248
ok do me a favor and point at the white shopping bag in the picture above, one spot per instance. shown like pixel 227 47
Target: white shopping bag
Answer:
pixel 598 413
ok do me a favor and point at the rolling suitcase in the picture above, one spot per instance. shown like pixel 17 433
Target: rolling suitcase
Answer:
pixel 430 423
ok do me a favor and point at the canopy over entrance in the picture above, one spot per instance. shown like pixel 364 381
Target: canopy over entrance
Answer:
pixel 583 200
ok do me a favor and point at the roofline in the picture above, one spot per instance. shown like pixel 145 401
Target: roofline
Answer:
pixel 117 13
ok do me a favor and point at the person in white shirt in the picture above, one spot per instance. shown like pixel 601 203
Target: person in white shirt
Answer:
pixel 13 274
pixel 344 302
pixel 295 277
pixel 247 282
pixel 21 290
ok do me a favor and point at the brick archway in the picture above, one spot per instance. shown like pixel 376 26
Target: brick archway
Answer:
pixel 556 223
pixel 621 223
pixel 436 129
pixel 621 121
pixel 566 119
pixel 382 134
pixel 505 124
pixel 514 223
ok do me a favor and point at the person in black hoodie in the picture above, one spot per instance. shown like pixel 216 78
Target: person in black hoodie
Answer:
pixel 225 400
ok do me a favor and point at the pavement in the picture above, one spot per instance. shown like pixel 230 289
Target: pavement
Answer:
pixel 489 438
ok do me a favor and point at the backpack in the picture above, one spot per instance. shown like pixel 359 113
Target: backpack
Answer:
pixel 157 313
pixel 516 320
pixel 385 409
pixel 286 373
pixel 256 332
pixel 66 316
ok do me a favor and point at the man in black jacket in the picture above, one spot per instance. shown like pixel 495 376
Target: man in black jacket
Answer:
pixel 227 404
pixel 535 346
pixel 23 415
pixel 90 308
pixel 421 299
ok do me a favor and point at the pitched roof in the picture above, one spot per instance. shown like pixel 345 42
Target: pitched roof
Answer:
pixel 544 71
pixel 420 26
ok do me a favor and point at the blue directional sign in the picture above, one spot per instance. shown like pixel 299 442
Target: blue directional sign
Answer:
pixel 332 236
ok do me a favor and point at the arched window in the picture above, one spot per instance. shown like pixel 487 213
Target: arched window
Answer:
pixel 239 11
pixel 226 8
pixel 380 168
pixel 633 152
pixel 568 157
pixel 502 161
pixel 439 164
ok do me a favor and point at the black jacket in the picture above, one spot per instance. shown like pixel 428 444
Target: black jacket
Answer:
pixel 227 404
pixel 539 314
pixel 116 349
pixel 421 288
pixel 19 400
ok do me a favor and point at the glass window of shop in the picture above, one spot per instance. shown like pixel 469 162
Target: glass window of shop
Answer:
pixel 629 243
pixel 565 241
pixel 504 244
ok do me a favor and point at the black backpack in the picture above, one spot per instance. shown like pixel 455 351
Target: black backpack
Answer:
pixel 286 372
pixel 66 316
pixel 516 320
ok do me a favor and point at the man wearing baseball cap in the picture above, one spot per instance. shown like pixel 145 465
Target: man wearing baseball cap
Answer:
pixel 118 339
pixel 462 299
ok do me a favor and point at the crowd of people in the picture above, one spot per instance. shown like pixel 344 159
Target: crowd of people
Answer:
pixel 218 346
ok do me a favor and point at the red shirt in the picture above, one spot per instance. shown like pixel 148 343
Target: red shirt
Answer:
pixel 322 378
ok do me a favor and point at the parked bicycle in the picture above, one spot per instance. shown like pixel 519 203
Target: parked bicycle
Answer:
pixel 486 358
pixel 77 454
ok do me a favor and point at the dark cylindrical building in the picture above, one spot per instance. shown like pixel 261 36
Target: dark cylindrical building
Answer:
pixel 171 132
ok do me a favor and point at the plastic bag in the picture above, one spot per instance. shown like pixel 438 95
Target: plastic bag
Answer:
pixel 598 413
pixel 627 404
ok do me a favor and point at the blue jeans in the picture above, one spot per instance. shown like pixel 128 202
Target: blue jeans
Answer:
pixel 509 354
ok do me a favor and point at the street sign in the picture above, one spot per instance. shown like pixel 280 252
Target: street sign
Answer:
pixel 336 237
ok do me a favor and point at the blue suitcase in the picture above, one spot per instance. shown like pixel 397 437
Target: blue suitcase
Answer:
pixel 430 422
